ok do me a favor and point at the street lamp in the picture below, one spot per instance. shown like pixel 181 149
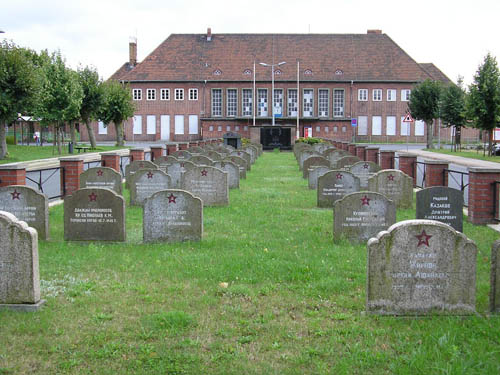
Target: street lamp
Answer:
pixel 272 83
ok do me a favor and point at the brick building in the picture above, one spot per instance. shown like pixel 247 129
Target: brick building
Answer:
pixel 195 86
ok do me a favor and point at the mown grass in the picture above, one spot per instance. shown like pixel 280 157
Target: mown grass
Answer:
pixel 18 153
pixel 468 154
pixel 295 301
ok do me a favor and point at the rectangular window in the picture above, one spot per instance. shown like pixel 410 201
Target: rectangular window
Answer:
pixel 102 129
pixel 165 94
pixel 278 102
pixel 391 95
pixel 211 128
pixel 179 94
pixel 362 125
pixel 151 94
pixel 419 127
pixel 262 102
pixel 137 125
pixel 219 128
pixel 247 102
pixel 292 103
pixel 228 128
pixel 151 124
pixel 377 125
pixel 326 129
pixel 362 95
pixel 216 102
pixel 193 94
pixel 137 94
pixel 338 103
pixel 232 102
pixel 193 124
pixel 179 124
pixel 236 128
pixel 245 128
pixel 335 129
pixel 377 95
pixel 323 102
pixel 405 127
pixel 308 103
pixel 390 125
pixel 405 95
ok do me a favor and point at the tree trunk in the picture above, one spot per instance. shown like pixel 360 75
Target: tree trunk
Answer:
pixel 72 129
pixel 119 135
pixel 3 141
pixel 54 139
pixel 430 134
pixel 90 131
pixel 490 142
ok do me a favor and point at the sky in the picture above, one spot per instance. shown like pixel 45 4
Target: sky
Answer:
pixel 454 35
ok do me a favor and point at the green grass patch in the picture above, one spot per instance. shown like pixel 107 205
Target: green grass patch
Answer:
pixel 467 154
pixel 266 291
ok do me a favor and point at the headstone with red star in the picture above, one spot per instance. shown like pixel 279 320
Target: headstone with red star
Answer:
pixel 245 156
pixel 101 177
pixel 345 162
pixel 364 170
pixel 421 267
pixel 240 162
pixel 313 161
pixel 395 185
pixel 201 160
pixel 172 216
pixel 164 161
pixel 360 216
pixel 233 173
pixel 133 167
pixel 182 155
pixel 214 155
pixel 208 183
pixel 334 154
pixel 175 171
pixel 303 155
pixel 145 182
pixel 334 185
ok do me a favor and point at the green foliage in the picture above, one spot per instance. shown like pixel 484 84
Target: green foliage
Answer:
pixel 10 140
pixel 452 106
pixel 93 94
pixel 309 141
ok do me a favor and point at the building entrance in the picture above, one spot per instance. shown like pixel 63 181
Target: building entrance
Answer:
pixel 276 137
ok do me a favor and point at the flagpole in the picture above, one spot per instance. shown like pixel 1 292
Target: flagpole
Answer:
pixel 253 96
pixel 298 108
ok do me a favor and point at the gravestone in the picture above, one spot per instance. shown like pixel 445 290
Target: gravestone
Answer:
pixel 201 160
pixel 495 278
pixel 182 155
pixel 334 154
pixel 420 267
pixel 314 173
pixel 27 205
pixel 19 272
pixel 364 170
pixel 320 147
pixel 172 216
pixel 101 177
pixel 360 216
pixel 208 183
pixel 233 173
pixel 304 155
pixel 252 150
pixel 197 150
pixel 93 214
pixel 215 156
pixel 443 204
pixel 395 185
pixel 163 161
pixel 145 182
pixel 133 167
pixel 334 185
pixel 313 161
pixel 344 162
pixel 245 156
pixel 175 171
pixel 240 162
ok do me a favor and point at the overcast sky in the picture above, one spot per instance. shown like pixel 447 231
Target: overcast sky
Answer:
pixel 454 35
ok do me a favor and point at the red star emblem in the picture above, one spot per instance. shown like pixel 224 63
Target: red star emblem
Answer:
pixel 182 165
pixel 365 166
pixel 93 197
pixel 390 177
pixel 239 153
pixel 172 198
pixel 339 176
pixel 100 172
pixel 423 238
pixel 15 194
pixel 204 172
pixel 150 175
pixel 365 201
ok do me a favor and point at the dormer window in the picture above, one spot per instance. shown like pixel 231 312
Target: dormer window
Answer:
pixel 308 72
pixel 339 72
pixel 247 72
pixel 278 72
pixel 217 72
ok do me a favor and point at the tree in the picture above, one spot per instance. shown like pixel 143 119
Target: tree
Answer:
pixel 92 99
pixel 117 107
pixel 483 104
pixel 18 84
pixel 452 109
pixel 424 105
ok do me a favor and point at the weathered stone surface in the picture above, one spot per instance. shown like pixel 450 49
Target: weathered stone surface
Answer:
pixel 201 160
pixel 208 183
pixel 215 156
pixel 252 150
pixel 320 147
pixel 94 215
pixel 145 182
pixel 241 163
pixel 182 155
pixel 364 170
pixel 197 150
pixel 27 205
pixel 19 273
pixel 420 267
pixel 245 156
pixel 495 278
pixel 303 155
pixel 101 177
pixel 314 173
pixel 172 216
pixel 133 167
pixel 334 185
pixel 163 161
pixel 233 173
pixel 360 216
pixel 313 161
pixel 334 154
pixel 175 171
pixel 344 162
pixel 395 185
pixel 443 204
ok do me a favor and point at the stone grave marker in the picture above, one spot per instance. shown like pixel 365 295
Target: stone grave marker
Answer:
pixel 134 166
pixel 175 171
pixel 163 161
pixel 19 272
pixel 182 155
pixel 240 162
pixel 101 177
pixel 313 161
pixel 360 216
pixel 27 205
pixel 172 216
pixel 333 155
pixel 197 150
pixel 443 204
pixel 421 267
pixel 93 214
pixel 395 185
pixel 201 160
pixel 303 155
pixel 314 173
pixel 252 150
pixel 208 183
pixel 320 147
pixel 364 170
pixel 215 156
pixel 495 278
pixel 244 155
pixel 233 173
pixel 146 182
pixel 334 185
pixel 344 162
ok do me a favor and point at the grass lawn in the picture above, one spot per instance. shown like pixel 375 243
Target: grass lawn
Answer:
pixel 295 303
pixel 467 154
pixel 19 153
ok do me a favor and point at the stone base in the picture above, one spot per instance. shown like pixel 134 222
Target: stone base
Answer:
pixel 25 307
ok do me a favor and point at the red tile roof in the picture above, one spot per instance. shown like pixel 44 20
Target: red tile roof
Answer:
pixel 435 73
pixel 330 57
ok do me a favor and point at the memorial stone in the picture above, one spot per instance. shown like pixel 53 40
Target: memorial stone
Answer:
pixel 443 204
pixel 215 156
pixel 313 161
pixel 172 216
pixel 197 150
pixel 304 155
pixel 208 183
pixel 333 155
pixel 314 173
pixel 182 155
pixel 334 185
pixel 163 161
pixel 101 177
pixel 253 151
pixel 133 167
pixel 241 163
pixel 344 162
pixel 175 171
pixel 201 160
pixel 421 267
pixel 233 173
pixel 364 170
pixel 495 278
pixel 244 155
pixel 145 182
pixel 395 185
pixel 320 147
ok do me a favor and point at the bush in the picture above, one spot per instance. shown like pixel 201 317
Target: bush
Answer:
pixel 10 140
pixel 309 141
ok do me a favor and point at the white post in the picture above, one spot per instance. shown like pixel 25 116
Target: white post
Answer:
pixel 254 102
pixel 272 92
pixel 298 110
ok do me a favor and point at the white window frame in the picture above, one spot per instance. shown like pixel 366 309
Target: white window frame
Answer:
pixel 337 110
pixel 137 127
pixel 362 95
pixel 391 95
pixel 150 124
pixel 247 102
pixel 193 94
pixel 377 95
pixel 322 105
pixel 179 94
pixel 305 104
pixel 150 94
pixel 376 125
pixel 390 125
pixel 216 111
pixel 231 107
pixel 178 124
pixel 193 124
pixel 102 129
pixel 405 95
pixel 137 94
pixel 292 103
pixel 362 125
pixel 261 112
pixel 164 94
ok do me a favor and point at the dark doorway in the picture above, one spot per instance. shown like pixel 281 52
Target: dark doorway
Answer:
pixel 276 137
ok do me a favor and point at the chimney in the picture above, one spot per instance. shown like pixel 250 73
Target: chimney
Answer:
pixel 374 32
pixel 132 51
pixel 209 34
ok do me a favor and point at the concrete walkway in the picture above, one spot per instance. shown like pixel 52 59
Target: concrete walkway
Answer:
pixel 460 160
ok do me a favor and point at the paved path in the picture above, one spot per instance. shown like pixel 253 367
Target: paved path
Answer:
pixel 459 160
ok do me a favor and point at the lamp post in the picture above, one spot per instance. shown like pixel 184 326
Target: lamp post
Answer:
pixel 272 84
